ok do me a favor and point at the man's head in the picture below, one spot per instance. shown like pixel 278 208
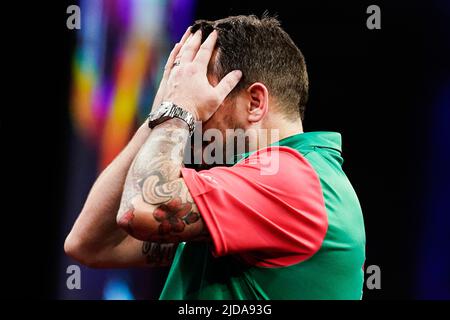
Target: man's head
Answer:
pixel 274 84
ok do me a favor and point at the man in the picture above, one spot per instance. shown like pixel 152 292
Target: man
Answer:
pixel 243 232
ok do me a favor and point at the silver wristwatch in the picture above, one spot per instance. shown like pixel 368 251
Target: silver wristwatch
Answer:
pixel 169 110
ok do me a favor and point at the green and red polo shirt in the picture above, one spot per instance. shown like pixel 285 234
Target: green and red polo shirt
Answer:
pixel 285 223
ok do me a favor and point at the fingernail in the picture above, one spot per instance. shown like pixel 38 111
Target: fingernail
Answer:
pixel 238 73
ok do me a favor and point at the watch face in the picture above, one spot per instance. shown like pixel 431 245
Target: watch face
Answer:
pixel 158 113
pixel 153 116
pixel 168 111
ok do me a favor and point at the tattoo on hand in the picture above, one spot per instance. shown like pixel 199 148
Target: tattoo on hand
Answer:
pixel 174 216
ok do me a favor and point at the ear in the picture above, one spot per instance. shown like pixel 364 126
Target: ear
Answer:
pixel 259 102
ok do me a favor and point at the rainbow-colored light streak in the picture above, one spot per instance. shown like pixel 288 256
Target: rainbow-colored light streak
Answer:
pixel 120 47
pixel 121 50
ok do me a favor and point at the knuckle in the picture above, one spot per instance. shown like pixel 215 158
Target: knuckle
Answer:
pixel 189 46
pixel 191 69
pixel 175 73
pixel 205 47
pixel 212 99
pixel 230 82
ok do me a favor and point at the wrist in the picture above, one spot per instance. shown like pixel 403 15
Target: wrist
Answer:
pixel 185 105
pixel 193 111
pixel 170 110
pixel 178 123
pixel 142 132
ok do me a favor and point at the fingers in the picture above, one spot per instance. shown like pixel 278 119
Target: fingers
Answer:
pixel 191 47
pixel 227 84
pixel 170 61
pixel 176 52
pixel 185 36
pixel 206 49
pixel 185 39
pixel 183 48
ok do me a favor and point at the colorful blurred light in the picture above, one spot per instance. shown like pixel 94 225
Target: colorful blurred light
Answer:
pixel 120 53
pixel 121 47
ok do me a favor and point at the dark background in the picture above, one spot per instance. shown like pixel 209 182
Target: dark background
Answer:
pixel 379 88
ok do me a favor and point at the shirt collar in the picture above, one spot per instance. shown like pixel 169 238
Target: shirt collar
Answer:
pixel 319 139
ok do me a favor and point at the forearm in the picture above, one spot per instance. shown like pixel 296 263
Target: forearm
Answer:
pixel 156 204
pixel 95 229
pixel 160 158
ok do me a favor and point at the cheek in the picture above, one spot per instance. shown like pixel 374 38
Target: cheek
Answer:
pixel 220 120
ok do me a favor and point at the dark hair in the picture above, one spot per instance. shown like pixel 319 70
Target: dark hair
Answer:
pixel 265 53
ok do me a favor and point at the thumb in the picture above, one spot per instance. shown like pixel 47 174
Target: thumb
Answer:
pixel 227 84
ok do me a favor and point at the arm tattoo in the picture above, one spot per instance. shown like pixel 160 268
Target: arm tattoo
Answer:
pixel 154 192
pixel 159 254
pixel 175 215
pixel 154 182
